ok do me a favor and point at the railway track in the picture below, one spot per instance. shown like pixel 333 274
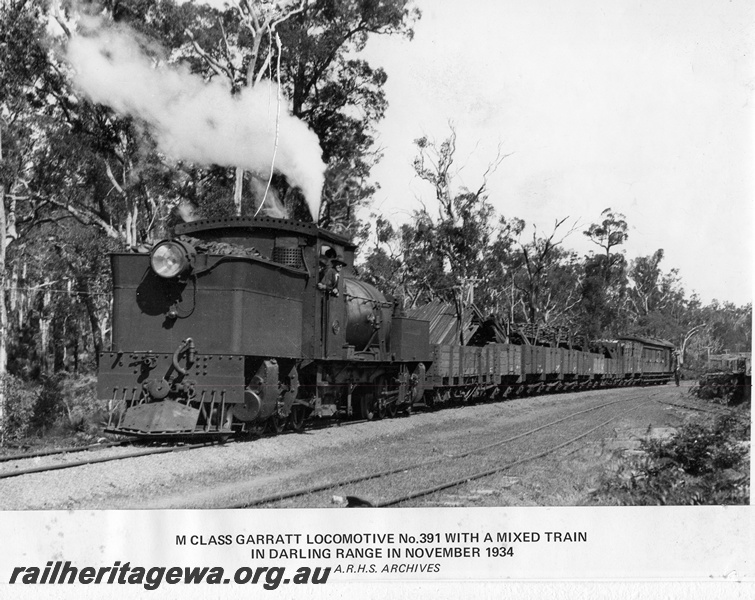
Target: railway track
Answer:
pixel 401 499
pixel 59 451
pixel 51 453
pixel 98 459
pixel 472 473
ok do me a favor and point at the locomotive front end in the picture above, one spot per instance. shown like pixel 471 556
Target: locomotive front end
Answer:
pixel 155 393
pixel 197 349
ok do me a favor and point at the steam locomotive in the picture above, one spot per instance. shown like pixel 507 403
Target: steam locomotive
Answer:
pixel 224 328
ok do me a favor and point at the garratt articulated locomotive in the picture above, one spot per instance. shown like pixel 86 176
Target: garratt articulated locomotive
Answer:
pixel 224 327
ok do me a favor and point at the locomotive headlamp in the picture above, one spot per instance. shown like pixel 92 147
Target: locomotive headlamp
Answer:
pixel 172 258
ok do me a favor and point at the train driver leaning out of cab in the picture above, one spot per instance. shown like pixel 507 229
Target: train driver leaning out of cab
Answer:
pixel 326 257
pixel 330 276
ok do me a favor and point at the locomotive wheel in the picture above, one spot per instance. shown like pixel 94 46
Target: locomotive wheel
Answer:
pixel 384 408
pixel 391 409
pixel 366 407
pixel 297 417
pixel 274 424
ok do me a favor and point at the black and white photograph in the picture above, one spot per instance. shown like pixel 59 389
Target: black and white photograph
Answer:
pixel 482 270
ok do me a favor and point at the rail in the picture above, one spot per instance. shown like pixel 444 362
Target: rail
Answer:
pixel 290 494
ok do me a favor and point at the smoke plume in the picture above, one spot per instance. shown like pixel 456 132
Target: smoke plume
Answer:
pixel 198 121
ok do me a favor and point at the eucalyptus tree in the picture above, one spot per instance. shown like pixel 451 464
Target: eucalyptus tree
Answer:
pixel 311 48
pixel 547 277
pixel 22 58
pixel 605 282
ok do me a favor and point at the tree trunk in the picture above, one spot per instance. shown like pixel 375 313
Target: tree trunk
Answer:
pixel 687 337
pixel 76 355
pixel 59 337
pixel 22 309
pixel 45 321
pixel 94 322
pixel 3 313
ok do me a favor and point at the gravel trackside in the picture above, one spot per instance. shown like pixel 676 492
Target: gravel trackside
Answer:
pixel 219 476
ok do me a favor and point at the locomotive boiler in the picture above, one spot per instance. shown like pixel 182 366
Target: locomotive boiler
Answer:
pixel 224 327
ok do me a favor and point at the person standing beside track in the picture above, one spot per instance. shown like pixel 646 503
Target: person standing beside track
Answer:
pixel 676 364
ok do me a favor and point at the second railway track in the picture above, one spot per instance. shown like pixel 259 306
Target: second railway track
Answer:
pixel 475 462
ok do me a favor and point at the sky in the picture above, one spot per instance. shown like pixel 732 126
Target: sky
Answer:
pixel 644 107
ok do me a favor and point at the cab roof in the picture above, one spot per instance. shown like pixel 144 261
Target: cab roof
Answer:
pixel 283 225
